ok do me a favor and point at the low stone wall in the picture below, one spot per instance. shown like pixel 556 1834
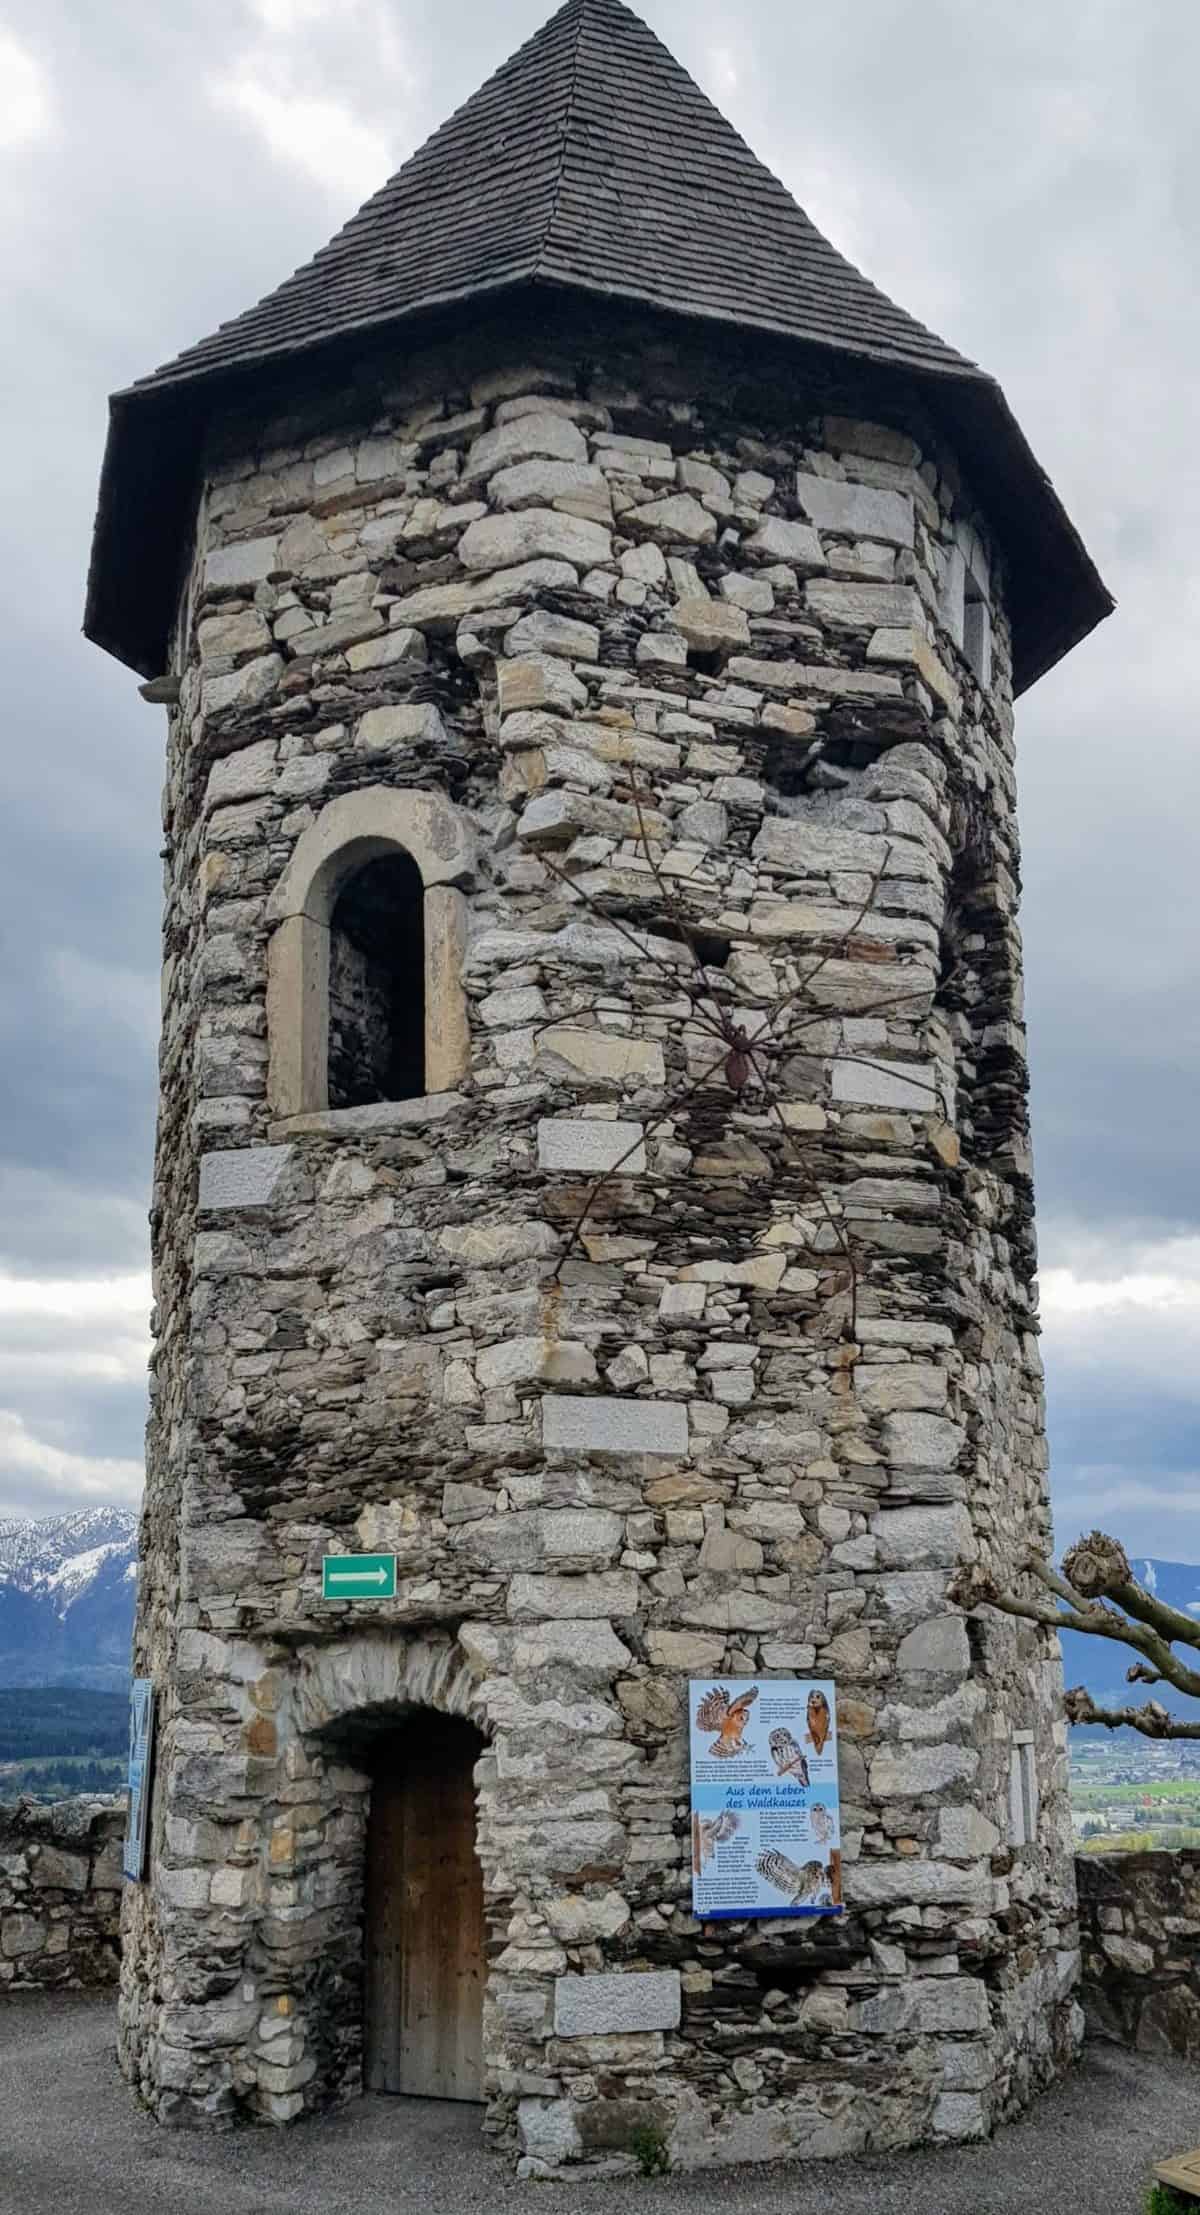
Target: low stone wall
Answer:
pixel 1139 1925
pixel 60 1893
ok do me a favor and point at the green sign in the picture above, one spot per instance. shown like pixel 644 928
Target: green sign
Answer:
pixel 359 1577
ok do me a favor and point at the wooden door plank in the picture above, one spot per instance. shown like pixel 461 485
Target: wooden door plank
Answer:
pixel 425 1931
pixel 384 1936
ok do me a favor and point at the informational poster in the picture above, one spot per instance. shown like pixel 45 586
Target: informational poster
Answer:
pixel 766 1833
pixel 141 1756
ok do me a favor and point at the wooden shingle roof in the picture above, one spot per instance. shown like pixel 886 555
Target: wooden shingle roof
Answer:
pixel 591 164
pixel 590 159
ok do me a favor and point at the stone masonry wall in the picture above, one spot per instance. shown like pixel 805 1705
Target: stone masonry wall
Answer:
pixel 1139 1927
pixel 60 1892
pixel 700 1442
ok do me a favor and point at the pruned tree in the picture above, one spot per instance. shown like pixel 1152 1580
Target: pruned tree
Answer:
pixel 1097 1593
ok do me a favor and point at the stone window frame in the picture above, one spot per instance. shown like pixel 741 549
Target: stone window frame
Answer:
pixel 1023 1795
pixel 356 828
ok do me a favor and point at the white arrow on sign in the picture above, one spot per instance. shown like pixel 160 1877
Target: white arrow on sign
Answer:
pixel 358 1576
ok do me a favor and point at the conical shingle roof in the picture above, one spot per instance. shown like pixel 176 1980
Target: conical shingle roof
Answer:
pixel 590 159
pixel 589 164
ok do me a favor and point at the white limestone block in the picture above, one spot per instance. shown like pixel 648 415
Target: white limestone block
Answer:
pixel 816 676
pixel 701 478
pixel 441 606
pixel 959 2115
pixel 241 776
pixel 569 1533
pixel 678 517
pixel 863 607
pixel 540 632
pixel 857 511
pixel 242 1177
pixel 246 687
pixel 628 2000
pixel 247 563
pixel 911 1085
pixel 711 625
pixel 538 681
pixel 526 1360
pixel 548 2131
pixel 611 1426
pixel 905 1772
pixel 795 543
pixel 817 849
pixel 918 1884
pixel 966 1835
pixel 917 1440
pixel 221 635
pixel 600 1595
pixel 899 1387
pixel 532 534
pixel 401 645
pixel 753 488
pixel 526 438
pixel 600 1054
pixel 924 1537
pixel 589 1148
pixel 408 724
pixel 531 484
pixel 937 1648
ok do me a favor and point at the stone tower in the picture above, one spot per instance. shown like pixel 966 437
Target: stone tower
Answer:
pixel 590 614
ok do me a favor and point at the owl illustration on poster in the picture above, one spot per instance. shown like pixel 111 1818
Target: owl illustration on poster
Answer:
pixel 785 1753
pixel 719 1711
pixel 819 1720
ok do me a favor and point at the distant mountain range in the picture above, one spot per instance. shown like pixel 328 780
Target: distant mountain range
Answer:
pixel 67 1589
pixel 68 1586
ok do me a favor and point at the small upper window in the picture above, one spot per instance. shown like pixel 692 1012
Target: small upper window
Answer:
pixel 377 985
pixel 1022 1791
pixel 977 630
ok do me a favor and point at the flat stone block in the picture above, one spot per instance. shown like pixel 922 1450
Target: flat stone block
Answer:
pixel 246 563
pixel 589 2007
pixel 937 1648
pixel 610 1426
pixel 859 511
pixel 533 534
pixel 242 1177
pixel 571 1143
pixel 870 1084
pixel 924 1537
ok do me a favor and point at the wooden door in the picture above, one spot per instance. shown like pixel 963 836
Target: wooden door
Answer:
pixel 424 1916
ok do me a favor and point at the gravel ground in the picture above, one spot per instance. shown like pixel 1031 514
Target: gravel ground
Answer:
pixel 73 2143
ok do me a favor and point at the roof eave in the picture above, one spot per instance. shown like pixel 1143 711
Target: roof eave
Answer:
pixel 148 478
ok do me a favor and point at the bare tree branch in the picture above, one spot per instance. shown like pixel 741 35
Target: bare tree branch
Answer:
pixel 1126 1614
pixel 1151 1720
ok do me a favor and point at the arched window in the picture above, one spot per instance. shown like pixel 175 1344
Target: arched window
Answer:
pixel 377 985
pixel 364 999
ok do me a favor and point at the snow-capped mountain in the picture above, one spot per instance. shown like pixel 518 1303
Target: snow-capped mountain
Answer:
pixel 67 1590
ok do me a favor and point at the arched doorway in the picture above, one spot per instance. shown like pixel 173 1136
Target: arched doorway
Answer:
pixel 424 1953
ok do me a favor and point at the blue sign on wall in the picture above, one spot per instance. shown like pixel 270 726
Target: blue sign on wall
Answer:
pixel 141 1756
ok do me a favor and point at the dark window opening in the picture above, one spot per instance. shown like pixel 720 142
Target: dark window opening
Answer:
pixel 377 985
pixel 977 629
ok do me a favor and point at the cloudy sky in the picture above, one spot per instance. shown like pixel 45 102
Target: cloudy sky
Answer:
pixel 1026 180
